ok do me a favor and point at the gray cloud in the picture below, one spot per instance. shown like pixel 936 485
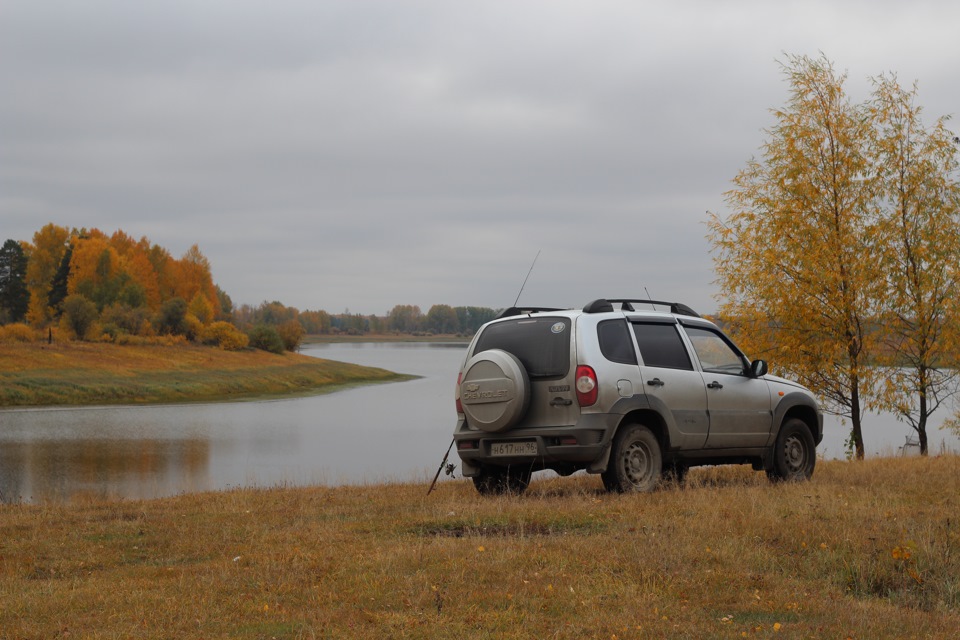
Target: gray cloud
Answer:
pixel 365 154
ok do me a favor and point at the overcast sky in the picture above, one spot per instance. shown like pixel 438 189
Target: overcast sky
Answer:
pixel 364 154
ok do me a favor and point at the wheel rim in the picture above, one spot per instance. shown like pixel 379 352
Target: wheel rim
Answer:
pixel 795 454
pixel 637 464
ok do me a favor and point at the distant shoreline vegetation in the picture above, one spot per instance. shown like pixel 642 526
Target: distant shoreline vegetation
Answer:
pixel 92 318
pixel 87 286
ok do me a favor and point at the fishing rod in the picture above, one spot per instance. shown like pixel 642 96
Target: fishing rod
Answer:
pixel 443 464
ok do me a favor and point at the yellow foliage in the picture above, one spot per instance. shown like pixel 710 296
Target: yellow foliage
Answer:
pixel 793 256
pixel 92 263
pixel 201 308
pixel 19 332
pixel 194 328
pixel 137 264
pixel 44 256
pixel 226 336
pixel 841 249
pixel 193 276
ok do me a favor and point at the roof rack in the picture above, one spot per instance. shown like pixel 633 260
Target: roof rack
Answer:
pixel 626 304
pixel 521 311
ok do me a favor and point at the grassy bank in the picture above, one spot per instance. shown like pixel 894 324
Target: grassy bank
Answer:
pixel 864 550
pixel 77 373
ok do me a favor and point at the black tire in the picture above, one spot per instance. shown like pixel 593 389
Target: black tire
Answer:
pixel 495 481
pixel 636 461
pixel 794 453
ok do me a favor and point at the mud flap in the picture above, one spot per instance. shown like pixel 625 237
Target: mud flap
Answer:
pixel 600 464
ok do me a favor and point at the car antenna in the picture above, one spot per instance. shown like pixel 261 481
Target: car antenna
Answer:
pixel 525 279
pixel 648 296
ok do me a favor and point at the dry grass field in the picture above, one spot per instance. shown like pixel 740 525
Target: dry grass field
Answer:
pixel 864 550
pixel 72 373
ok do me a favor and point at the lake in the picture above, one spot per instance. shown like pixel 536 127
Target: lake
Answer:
pixel 396 432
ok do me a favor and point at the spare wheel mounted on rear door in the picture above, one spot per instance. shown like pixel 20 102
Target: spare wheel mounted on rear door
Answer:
pixel 494 390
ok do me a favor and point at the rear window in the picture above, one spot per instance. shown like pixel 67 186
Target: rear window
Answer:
pixel 615 343
pixel 541 344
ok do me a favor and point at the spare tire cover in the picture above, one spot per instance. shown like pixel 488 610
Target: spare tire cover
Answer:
pixel 494 390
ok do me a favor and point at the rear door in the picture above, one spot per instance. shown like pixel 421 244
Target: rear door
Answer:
pixel 672 384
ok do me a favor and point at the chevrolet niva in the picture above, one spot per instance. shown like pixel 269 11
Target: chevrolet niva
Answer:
pixel 629 393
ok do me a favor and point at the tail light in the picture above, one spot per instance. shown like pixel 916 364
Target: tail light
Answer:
pixel 587 388
pixel 459 404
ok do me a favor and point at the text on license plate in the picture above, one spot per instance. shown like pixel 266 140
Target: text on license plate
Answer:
pixel 528 448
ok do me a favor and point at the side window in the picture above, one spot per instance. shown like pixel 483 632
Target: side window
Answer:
pixel 661 346
pixel 615 342
pixel 715 354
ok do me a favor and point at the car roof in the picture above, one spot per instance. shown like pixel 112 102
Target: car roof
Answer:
pixel 606 305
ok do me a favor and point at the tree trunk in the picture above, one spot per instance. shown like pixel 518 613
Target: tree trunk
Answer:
pixel 922 418
pixel 922 425
pixel 856 431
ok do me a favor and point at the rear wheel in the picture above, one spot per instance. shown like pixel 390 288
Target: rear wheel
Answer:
pixel 494 481
pixel 794 454
pixel 636 461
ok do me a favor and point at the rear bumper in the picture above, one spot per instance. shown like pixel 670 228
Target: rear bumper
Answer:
pixel 555 445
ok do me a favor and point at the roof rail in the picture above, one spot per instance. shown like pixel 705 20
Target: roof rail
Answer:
pixel 520 311
pixel 598 306
pixel 626 304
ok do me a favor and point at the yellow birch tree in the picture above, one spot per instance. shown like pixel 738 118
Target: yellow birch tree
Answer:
pixel 194 276
pixel 795 258
pixel 46 251
pixel 920 196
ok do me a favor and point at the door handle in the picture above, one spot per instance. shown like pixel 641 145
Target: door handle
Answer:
pixel 714 385
pixel 561 402
pixel 656 382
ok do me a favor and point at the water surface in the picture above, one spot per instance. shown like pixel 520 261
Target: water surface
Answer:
pixel 386 432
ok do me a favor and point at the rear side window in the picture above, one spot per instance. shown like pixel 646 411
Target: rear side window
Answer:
pixel 541 344
pixel 615 342
pixel 661 346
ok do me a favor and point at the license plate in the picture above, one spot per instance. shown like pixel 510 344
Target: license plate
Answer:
pixel 513 448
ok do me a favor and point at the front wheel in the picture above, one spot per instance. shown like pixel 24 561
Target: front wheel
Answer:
pixel 794 454
pixel 494 481
pixel 635 462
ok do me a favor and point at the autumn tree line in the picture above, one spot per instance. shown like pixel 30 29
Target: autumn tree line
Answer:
pixel 440 319
pixel 840 258
pixel 92 286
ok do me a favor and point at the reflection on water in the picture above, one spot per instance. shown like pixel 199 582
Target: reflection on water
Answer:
pixel 390 432
pixel 103 468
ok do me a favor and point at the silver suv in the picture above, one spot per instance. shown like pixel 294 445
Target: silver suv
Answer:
pixel 629 393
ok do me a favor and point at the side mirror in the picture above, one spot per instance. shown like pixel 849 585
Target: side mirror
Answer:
pixel 758 368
